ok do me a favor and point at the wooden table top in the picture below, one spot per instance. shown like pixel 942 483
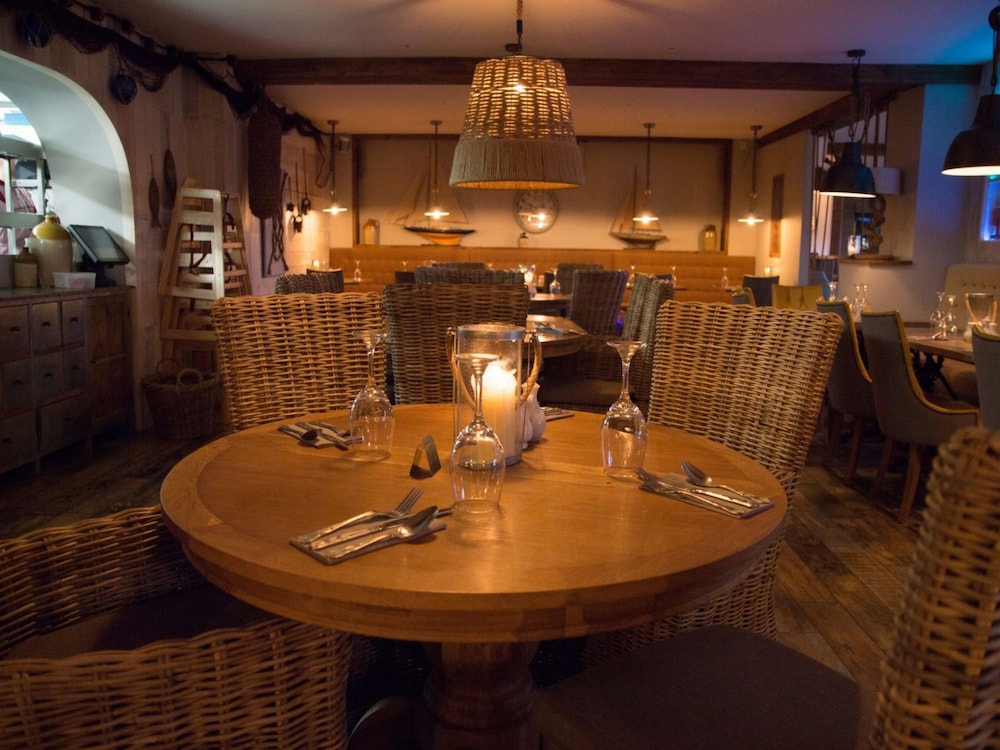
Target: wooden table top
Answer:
pixel 955 347
pixel 556 344
pixel 571 553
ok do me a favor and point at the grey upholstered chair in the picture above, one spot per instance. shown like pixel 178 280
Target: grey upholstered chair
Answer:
pixel 762 287
pixel 721 688
pixel 986 348
pixel 849 389
pixel 905 415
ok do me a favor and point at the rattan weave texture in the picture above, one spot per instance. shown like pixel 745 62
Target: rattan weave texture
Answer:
pixel 285 355
pixel 419 318
pixel 470 274
pixel 271 684
pixel 597 300
pixel 940 686
pixel 752 378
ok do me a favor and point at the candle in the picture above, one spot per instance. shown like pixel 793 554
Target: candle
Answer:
pixel 500 404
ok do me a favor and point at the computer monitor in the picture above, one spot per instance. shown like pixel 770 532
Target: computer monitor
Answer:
pixel 100 250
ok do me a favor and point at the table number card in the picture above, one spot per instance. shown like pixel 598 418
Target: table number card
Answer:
pixel 426 449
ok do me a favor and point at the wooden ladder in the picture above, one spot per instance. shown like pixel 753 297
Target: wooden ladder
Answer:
pixel 205 258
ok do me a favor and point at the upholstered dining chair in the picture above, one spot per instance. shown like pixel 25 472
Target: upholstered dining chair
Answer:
pixel 905 415
pixel 753 379
pixel 110 638
pixel 285 355
pixel 721 688
pixel 419 317
pixel 986 349
pixel 597 300
pixel 796 297
pixel 849 390
pixel 762 287
pixel 590 379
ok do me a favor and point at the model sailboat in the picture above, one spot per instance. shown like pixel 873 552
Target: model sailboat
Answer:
pixel 629 227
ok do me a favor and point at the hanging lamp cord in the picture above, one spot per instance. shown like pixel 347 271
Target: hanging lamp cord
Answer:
pixel 515 47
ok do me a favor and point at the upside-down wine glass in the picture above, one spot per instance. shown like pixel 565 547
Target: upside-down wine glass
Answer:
pixel 982 307
pixel 371 413
pixel 477 458
pixel 938 318
pixel 623 432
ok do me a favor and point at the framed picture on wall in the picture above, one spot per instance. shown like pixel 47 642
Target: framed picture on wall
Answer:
pixel 777 209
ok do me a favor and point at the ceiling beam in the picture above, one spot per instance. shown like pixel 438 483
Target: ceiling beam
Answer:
pixel 372 71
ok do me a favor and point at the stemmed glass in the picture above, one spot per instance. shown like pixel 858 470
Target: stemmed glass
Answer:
pixel 982 307
pixel 357 272
pixel 951 316
pixel 938 318
pixel 724 282
pixel 371 413
pixel 477 458
pixel 623 433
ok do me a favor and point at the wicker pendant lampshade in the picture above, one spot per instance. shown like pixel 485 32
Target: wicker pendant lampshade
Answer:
pixel 518 129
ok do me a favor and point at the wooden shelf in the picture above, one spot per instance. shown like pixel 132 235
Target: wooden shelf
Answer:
pixel 872 259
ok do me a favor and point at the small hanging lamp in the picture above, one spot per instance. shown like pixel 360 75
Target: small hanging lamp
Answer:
pixel 751 217
pixel 976 151
pixel 518 129
pixel 434 209
pixel 334 207
pixel 849 177
pixel 643 213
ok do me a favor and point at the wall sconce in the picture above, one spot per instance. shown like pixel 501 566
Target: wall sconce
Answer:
pixel 976 151
pixel 751 217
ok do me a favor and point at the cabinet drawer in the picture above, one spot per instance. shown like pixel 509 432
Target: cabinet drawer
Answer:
pixel 63 423
pixel 46 326
pixel 109 327
pixel 74 324
pixel 15 385
pixel 14 332
pixel 18 438
pixel 47 375
pixel 75 364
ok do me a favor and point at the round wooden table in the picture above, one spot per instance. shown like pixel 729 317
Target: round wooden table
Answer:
pixel 571 553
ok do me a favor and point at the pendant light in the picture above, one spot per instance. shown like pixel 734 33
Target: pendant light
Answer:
pixel 434 210
pixel 976 151
pixel 751 217
pixel 849 177
pixel 643 214
pixel 518 129
pixel 334 207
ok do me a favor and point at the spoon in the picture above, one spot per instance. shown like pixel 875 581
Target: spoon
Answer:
pixel 701 479
pixel 412 526
pixel 306 435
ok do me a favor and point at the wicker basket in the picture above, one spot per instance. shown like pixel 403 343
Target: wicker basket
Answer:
pixel 182 403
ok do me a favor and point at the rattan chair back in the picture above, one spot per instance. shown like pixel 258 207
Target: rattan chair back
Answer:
pixel 285 355
pixel 986 349
pixel 753 379
pixel 597 300
pixel 310 282
pixel 939 681
pixel 566 273
pixel 419 317
pixel 271 683
pixel 466 275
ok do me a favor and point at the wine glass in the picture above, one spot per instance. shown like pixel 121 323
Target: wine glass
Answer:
pixel 938 319
pixel 477 459
pixel 623 432
pixel 724 282
pixel 371 417
pixel 951 315
pixel 673 274
pixel 832 291
pixel 982 307
pixel 357 272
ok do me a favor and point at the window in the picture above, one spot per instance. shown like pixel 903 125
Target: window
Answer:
pixel 23 180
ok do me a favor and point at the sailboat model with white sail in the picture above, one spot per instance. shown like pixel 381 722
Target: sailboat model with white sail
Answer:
pixel 630 227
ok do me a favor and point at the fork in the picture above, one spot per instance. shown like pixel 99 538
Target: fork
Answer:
pixel 400 510
pixel 652 479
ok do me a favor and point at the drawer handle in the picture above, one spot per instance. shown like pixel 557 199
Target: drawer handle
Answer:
pixel 49 375
pixel 18 382
pixel 46 324
pixel 74 319
pixel 15 329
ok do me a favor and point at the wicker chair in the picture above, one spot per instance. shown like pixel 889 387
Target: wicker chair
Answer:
pixel 725 688
pixel 310 282
pixel 285 355
pixel 986 347
pixel 419 318
pixel 590 380
pixel 752 378
pixel 849 390
pixel 597 300
pixel 904 413
pixel 566 273
pixel 78 672
pixel 474 274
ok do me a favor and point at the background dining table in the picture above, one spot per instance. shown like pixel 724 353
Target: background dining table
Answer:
pixel 570 553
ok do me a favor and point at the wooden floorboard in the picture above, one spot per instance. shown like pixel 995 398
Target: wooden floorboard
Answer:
pixel 840 575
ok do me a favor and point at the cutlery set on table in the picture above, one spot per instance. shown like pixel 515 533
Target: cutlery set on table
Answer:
pixel 697 488
pixel 319 435
pixel 372 530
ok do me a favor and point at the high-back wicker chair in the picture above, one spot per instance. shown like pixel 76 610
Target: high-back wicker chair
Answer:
pixel 720 688
pixel 905 415
pixel 597 300
pixel 285 355
pixel 566 273
pixel 419 317
pixel 849 390
pixel 753 379
pixel 80 675
pixel 475 274
pixel 986 347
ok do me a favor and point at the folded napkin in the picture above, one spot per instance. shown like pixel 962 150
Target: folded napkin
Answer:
pixel 323 440
pixel 342 549
pixel 736 504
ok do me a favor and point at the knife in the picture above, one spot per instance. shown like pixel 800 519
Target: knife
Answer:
pixel 362 530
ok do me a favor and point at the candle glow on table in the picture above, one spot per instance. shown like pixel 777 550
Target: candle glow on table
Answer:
pixel 500 403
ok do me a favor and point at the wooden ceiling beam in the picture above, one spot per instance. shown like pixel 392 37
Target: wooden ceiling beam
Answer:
pixel 693 74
